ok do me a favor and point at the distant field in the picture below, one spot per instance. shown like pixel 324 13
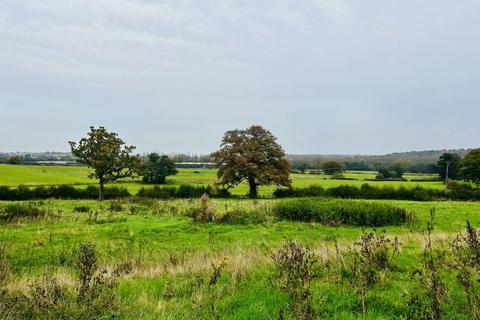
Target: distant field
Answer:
pixel 13 175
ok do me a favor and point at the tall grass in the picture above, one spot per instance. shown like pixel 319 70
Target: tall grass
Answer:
pixel 341 212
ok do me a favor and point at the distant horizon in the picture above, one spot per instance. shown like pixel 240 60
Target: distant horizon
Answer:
pixel 287 153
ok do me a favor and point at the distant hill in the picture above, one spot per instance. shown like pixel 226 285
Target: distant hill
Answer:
pixel 413 161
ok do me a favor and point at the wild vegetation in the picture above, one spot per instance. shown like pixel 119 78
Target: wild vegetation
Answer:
pixel 247 241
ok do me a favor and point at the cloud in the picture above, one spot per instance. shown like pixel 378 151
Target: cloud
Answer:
pixel 209 65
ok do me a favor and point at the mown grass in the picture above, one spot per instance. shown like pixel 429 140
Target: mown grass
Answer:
pixel 13 175
pixel 172 257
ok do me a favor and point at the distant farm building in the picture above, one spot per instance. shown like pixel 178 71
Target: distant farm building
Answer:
pixel 207 165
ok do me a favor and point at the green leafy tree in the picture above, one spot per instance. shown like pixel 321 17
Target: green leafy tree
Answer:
pixel 14 160
pixel 398 169
pixel 108 156
pixel 470 166
pixel 157 168
pixel 448 166
pixel 251 155
pixel 332 167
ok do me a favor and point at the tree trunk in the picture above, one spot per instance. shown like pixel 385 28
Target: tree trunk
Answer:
pixel 446 175
pixel 253 188
pixel 100 192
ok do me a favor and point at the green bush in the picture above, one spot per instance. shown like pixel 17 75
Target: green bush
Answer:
pixel 336 212
pixel 241 216
pixel 15 211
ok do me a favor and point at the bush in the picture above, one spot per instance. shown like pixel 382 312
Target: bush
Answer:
pixel 336 212
pixel 202 212
pixel 16 211
pixel 241 216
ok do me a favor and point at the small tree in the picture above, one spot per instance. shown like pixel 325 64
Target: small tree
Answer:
pixel 470 166
pixel 399 170
pixel 107 155
pixel 448 164
pixel 157 168
pixel 14 160
pixel 251 155
pixel 332 167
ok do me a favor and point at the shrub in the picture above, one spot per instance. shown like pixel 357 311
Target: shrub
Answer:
pixel 336 212
pixel 15 211
pixel 81 209
pixel 245 216
pixel 202 212
pixel 157 192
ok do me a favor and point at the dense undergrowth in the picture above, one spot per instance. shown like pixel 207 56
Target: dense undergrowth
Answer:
pixel 218 259
pixel 337 212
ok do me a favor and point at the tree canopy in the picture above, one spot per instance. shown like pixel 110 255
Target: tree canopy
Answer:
pixel 332 167
pixel 448 166
pixel 157 168
pixel 108 156
pixel 251 155
pixel 470 166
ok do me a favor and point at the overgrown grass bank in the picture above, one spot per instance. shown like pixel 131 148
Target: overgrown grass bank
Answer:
pixel 342 212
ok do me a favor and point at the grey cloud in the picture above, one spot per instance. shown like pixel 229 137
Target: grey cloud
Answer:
pixel 325 75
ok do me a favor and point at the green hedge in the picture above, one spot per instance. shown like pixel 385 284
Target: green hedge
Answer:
pixel 91 192
pixel 59 192
pixel 457 191
pixel 345 212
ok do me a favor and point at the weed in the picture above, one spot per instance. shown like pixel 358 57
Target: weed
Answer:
pixel 293 275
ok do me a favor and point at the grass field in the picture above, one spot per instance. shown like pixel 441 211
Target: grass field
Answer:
pixel 172 258
pixel 182 269
pixel 12 175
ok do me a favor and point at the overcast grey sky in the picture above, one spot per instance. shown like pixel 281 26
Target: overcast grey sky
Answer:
pixel 325 76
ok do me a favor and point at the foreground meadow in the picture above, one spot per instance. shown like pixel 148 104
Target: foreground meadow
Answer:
pixel 223 269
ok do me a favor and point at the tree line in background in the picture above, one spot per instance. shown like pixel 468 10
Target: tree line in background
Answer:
pixel 251 155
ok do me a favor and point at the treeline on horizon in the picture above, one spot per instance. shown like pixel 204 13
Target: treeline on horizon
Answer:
pixel 412 161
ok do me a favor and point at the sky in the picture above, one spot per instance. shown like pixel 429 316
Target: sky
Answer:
pixel 324 76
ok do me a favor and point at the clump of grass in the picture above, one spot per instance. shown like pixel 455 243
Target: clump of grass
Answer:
pixel 19 211
pixel 342 212
pixel 242 215
pixel 115 206
pixel 81 209
pixel 4 265
pixel 293 275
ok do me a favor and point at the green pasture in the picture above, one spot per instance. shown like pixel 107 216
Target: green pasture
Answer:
pixel 13 175
pixel 173 257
